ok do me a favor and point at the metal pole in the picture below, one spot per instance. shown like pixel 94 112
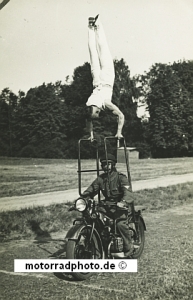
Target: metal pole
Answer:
pixel 127 164
pixel 84 171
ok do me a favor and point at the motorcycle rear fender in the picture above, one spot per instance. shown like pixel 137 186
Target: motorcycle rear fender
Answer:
pixel 74 231
pixel 143 222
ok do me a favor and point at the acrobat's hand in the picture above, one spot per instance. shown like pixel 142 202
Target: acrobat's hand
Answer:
pixel 119 135
pixel 91 138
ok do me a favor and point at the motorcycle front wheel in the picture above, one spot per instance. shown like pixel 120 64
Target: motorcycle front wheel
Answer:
pixel 84 248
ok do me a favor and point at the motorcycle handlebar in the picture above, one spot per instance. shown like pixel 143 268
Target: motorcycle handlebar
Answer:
pixel 109 203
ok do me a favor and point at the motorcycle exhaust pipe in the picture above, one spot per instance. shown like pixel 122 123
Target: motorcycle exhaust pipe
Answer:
pixel 122 254
pixel 118 255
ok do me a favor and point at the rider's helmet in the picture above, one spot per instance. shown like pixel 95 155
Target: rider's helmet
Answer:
pixel 108 163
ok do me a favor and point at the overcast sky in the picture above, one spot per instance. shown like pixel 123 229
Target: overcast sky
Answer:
pixel 45 40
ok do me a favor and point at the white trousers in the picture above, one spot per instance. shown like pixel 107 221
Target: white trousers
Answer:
pixel 102 66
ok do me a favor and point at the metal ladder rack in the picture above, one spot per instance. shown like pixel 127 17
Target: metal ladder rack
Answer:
pixel 97 170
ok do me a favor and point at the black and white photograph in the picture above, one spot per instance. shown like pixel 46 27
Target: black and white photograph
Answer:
pixel 96 149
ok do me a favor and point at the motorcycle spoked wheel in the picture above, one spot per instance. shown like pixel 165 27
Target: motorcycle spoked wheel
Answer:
pixel 82 248
pixel 140 242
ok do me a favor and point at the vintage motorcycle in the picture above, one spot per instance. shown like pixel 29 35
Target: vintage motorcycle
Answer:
pixel 95 235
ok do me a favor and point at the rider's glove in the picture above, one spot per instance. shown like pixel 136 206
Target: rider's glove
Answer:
pixel 124 205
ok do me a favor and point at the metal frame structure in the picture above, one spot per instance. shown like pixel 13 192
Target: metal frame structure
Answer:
pixel 126 154
pixel 97 170
pixel 79 164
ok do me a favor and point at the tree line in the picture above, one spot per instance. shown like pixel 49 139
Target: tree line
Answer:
pixel 49 119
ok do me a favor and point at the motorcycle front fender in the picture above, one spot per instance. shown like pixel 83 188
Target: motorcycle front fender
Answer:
pixel 75 230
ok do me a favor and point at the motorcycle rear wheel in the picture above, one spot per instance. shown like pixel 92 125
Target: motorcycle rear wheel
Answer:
pixel 89 250
pixel 138 244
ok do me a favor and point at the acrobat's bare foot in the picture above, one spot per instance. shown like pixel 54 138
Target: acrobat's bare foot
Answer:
pixel 97 22
pixel 91 21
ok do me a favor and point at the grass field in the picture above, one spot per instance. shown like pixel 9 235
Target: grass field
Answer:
pixel 28 222
pixel 31 176
pixel 165 268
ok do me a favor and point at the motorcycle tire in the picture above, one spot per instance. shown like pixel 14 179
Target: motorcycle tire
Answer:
pixel 73 251
pixel 138 251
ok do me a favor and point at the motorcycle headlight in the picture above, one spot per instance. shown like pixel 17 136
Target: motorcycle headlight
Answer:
pixel 80 204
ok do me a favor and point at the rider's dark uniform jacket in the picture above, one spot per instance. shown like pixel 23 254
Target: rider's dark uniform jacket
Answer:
pixel 115 188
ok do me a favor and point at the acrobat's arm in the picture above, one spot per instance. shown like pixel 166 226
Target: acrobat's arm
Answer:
pixel 89 126
pixel 116 111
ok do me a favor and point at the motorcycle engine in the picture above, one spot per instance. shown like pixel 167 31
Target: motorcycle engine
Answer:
pixel 116 245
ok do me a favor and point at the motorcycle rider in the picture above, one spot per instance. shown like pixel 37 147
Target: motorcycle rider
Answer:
pixel 116 189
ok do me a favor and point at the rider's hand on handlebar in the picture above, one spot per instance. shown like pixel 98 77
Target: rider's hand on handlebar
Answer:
pixel 122 204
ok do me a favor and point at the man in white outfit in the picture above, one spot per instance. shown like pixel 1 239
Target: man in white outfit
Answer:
pixel 102 69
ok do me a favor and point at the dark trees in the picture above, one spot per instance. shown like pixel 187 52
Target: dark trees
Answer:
pixel 170 102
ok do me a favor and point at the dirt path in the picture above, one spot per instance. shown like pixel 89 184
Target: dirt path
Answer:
pixel 45 199
pixel 164 270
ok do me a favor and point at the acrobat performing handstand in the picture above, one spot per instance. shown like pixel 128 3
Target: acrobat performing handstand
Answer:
pixel 103 74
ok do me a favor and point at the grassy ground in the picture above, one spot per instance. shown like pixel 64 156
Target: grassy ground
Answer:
pixel 165 270
pixel 31 176
pixel 43 221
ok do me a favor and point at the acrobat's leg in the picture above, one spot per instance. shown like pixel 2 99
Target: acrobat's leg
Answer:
pixel 107 74
pixel 94 59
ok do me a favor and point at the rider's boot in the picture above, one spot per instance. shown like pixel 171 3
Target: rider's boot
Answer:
pixel 130 251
